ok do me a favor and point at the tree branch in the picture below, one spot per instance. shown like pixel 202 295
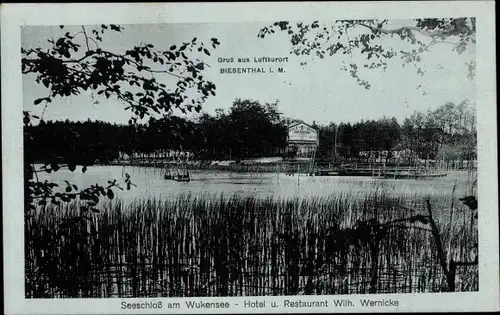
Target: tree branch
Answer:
pixel 86 37
pixel 401 29
pixel 63 61
pixel 138 64
pixel 77 60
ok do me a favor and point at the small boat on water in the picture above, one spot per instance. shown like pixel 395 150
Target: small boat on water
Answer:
pixel 182 178
pixel 180 173
pixel 177 177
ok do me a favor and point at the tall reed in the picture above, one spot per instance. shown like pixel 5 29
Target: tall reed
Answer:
pixel 207 245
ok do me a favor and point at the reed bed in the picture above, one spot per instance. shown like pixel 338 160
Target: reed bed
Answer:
pixel 233 246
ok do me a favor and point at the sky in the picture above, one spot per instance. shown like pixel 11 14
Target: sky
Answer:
pixel 317 92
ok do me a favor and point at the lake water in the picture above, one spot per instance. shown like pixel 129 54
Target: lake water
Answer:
pixel 150 183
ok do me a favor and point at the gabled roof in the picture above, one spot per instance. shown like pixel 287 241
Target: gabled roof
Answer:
pixel 301 123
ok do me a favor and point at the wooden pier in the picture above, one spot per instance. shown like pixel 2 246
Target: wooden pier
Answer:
pixel 380 172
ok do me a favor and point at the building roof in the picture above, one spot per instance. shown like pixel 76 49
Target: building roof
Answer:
pixel 301 123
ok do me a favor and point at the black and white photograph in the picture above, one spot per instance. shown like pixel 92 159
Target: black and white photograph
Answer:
pixel 311 157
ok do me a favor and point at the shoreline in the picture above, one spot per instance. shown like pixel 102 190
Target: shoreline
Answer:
pixel 289 167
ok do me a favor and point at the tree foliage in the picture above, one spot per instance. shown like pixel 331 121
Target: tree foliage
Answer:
pixel 372 136
pixel 368 40
pixel 147 81
pixel 254 129
pixel 68 69
pixel 248 129
pixel 438 133
pixel 447 133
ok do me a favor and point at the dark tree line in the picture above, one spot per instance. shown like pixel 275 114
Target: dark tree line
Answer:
pixel 248 129
pixel 447 133
pixel 347 141
pixel 80 143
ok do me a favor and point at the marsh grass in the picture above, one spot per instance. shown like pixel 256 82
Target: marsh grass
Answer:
pixel 206 245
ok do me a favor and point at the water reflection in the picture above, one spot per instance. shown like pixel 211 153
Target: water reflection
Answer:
pixel 150 183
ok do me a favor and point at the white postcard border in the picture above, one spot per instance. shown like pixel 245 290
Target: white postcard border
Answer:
pixel 16 15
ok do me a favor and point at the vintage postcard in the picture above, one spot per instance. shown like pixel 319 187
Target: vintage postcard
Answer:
pixel 249 158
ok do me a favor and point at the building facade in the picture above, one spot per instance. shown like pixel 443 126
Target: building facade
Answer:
pixel 302 139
